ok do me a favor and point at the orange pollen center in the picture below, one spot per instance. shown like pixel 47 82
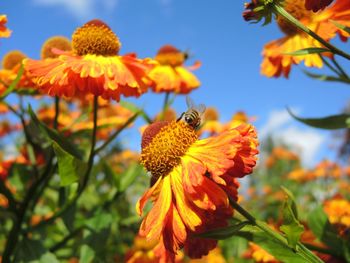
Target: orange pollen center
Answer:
pixel 12 59
pixel 59 42
pixel 163 145
pixel 297 9
pixel 169 55
pixel 95 38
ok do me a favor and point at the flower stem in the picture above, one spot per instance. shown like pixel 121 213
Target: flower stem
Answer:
pixel 92 149
pixel 275 235
pixel 57 112
pixel 114 135
pixel 279 10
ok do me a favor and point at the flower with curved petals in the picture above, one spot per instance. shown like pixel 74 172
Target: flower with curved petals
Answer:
pixel 4 31
pixel 93 67
pixel 316 5
pixel 191 181
pixel 277 62
pixel 171 75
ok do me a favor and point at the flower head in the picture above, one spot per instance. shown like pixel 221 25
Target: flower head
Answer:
pixel 171 75
pixel 191 181
pixel 92 67
pixel 277 62
pixel 56 42
pixel 316 5
pixel 4 31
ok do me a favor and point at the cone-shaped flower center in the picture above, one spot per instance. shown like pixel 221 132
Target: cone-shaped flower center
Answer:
pixel 169 55
pixel 12 59
pixel 163 145
pixel 211 114
pixel 297 9
pixel 95 38
pixel 59 42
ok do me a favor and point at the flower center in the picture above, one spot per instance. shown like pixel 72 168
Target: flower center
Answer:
pixel 297 9
pixel 163 145
pixel 95 38
pixel 169 55
pixel 59 42
pixel 211 114
pixel 12 59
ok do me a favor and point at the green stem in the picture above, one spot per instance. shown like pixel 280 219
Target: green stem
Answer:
pixel 57 112
pixel 320 249
pixel 165 105
pixel 92 149
pixel 116 133
pixel 275 235
pixel 342 71
pixel 329 65
pixel 279 10
pixel 86 177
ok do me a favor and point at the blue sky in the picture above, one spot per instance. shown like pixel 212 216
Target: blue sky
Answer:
pixel 215 33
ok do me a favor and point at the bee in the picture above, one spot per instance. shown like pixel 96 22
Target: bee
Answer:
pixel 193 115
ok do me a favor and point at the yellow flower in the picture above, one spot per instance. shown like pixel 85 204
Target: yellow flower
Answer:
pixel 4 31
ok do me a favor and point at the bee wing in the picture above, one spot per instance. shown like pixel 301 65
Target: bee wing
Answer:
pixel 200 108
pixel 189 102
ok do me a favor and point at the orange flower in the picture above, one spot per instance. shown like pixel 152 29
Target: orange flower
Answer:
pixel 316 5
pixel 211 123
pixel 171 75
pixel 191 179
pixel 93 67
pixel 259 255
pixel 281 153
pixel 11 64
pixel 214 255
pixel 4 31
pixel 276 62
pixel 327 168
pixel 338 211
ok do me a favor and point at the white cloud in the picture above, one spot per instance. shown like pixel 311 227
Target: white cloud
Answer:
pixel 81 9
pixel 304 140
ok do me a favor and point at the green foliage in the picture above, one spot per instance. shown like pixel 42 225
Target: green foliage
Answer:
pixel 330 122
pixel 70 169
pixel 291 226
pixel 308 51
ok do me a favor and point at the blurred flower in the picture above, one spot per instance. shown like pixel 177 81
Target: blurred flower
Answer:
pixel 240 117
pixel 327 168
pixel 191 179
pixel 56 42
pixel 338 211
pixel 301 175
pixel 92 67
pixel 144 251
pixel 122 160
pixel 316 5
pixel 211 123
pixel 168 115
pixel 276 62
pixel 6 127
pixel 11 64
pixel 280 153
pixel 4 31
pixel 214 255
pixel 258 254
pixel 171 75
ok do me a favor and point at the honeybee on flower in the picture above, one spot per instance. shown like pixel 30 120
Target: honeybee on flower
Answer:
pixel 193 116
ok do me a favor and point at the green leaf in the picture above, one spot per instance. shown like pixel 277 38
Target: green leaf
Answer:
pixel 279 250
pixel 14 83
pixel 136 109
pixel 325 77
pixel 129 176
pixel 70 169
pixel 54 136
pixel 29 250
pixel 224 232
pixel 291 226
pixel 99 222
pixel 308 51
pixel 87 254
pixel 68 217
pixel 323 230
pixel 48 257
pixel 330 122
pixel 340 26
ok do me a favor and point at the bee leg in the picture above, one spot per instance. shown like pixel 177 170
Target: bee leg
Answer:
pixel 182 114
